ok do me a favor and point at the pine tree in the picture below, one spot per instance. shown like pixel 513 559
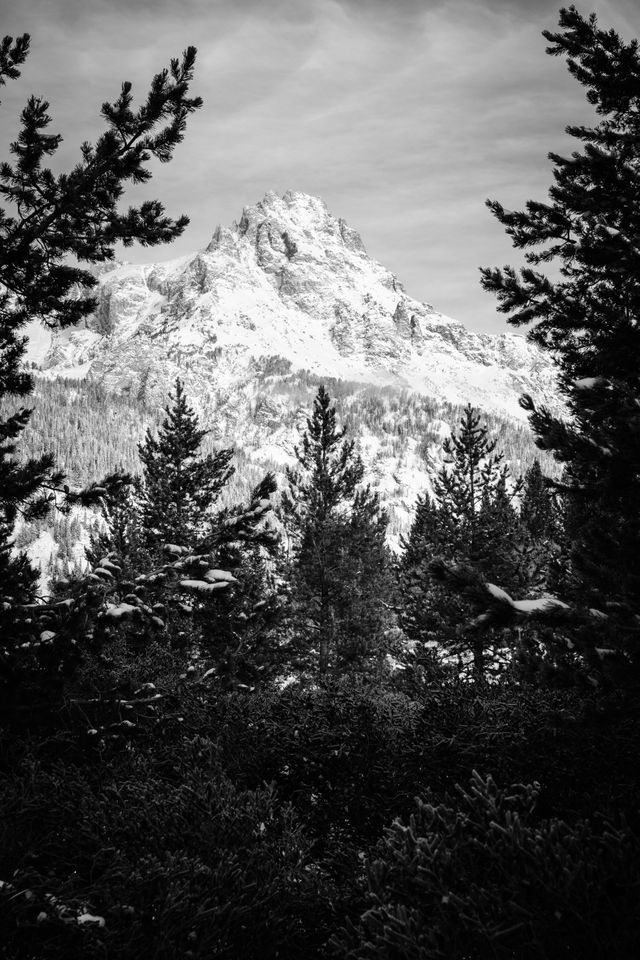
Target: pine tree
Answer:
pixel 367 630
pixel 538 511
pixel 425 611
pixel 544 560
pixel 472 521
pixel 51 224
pixel 60 221
pixel 586 315
pixel 122 534
pixel 425 528
pixel 469 489
pixel 337 531
pixel 179 486
pixel 239 627
pixel 204 572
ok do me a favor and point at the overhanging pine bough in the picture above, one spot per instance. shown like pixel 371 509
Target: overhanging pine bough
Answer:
pixel 51 224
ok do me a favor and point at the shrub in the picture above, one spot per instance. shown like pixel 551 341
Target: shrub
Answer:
pixel 479 876
pixel 165 851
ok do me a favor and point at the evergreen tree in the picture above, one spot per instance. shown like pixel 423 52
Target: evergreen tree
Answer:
pixel 51 224
pixel 58 222
pixel 337 530
pixel 237 628
pixel 587 316
pixel 426 613
pixel 544 558
pixel 122 534
pixel 472 521
pixel 425 528
pixel 180 487
pixel 470 490
pixel 537 508
pixel 367 630
pixel 217 599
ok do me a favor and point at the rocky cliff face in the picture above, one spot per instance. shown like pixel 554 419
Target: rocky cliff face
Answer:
pixel 288 281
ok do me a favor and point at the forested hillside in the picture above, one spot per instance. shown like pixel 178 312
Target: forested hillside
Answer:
pixel 92 431
pixel 399 434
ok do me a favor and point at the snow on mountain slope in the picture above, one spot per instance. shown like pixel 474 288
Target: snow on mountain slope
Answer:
pixel 276 303
pixel 290 281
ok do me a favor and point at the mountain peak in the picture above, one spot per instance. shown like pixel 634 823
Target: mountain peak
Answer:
pixel 302 205
pixel 290 281
pixel 295 215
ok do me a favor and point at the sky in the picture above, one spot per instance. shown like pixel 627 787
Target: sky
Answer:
pixel 403 115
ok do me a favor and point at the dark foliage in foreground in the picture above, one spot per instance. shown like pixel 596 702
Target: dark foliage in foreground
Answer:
pixel 478 874
pixel 247 825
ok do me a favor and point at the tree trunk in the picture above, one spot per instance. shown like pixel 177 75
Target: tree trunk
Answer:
pixel 326 635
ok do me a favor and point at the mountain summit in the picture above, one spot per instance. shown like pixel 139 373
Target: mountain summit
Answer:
pixel 287 281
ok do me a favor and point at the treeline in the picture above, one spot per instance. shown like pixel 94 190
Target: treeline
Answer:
pixel 92 431
pixel 89 431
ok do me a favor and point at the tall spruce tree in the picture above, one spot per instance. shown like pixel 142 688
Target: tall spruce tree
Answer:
pixel 471 521
pixel 339 561
pixel 204 571
pixel 470 490
pixel 179 486
pixel 587 316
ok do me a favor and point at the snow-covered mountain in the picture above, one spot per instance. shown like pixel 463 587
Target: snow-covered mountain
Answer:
pixel 277 303
pixel 288 281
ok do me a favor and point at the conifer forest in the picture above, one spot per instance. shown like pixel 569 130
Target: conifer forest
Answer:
pixel 246 727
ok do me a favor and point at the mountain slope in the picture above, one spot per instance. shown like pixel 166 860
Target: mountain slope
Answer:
pixel 278 303
pixel 398 433
pixel 293 282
